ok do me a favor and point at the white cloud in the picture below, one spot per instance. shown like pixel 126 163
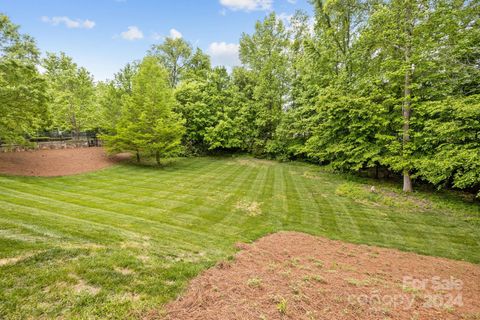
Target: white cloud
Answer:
pixel 88 24
pixel 247 5
pixel 133 33
pixel 175 34
pixel 225 54
pixel 292 1
pixel 69 23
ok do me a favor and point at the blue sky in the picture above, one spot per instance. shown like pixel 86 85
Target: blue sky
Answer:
pixel 103 35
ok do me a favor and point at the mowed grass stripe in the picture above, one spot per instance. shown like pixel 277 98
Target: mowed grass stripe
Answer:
pixel 234 208
pixel 224 195
pixel 93 205
pixel 129 225
pixel 164 225
pixel 78 227
pixel 316 214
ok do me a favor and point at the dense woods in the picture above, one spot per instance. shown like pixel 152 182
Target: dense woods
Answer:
pixel 391 87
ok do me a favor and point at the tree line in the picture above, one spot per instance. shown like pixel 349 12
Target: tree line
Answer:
pixel 387 86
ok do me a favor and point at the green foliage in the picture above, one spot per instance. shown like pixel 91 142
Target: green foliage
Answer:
pixel 148 123
pixel 361 84
pixel 365 84
pixel 111 95
pixel 22 88
pixel 347 132
pixel 448 142
pixel 265 54
pixel 228 131
pixel 216 116
pixel 22 100
pixel 124 78
pixel 72 104
pixel 14 45
pixel 198 66
pixel 193 103
pixel 109 103
pixel 175 55
pixel 338 23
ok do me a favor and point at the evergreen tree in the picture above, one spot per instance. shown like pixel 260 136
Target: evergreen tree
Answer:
pixel 148 123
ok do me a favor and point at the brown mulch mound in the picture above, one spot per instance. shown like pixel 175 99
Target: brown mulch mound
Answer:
pixel 290 275
pixel 61 162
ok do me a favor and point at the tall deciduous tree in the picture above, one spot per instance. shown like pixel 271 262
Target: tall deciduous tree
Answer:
pixel 175 55
pixel 337 26
pixel 396 37
pixel 205 104
pixel 22 89
pixel 447 138
pixel 72 106
pixel 419 51
pixel 111 95
pixel 198 66
pixel 108 99
pixel 123 79
pixel 264 53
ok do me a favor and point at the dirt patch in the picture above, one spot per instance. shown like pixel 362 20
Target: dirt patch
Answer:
pixel 50 163
pixel 291 275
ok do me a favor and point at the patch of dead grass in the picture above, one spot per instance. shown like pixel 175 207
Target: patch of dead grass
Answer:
pixel 251 208
pixel 124 271
pixel 83 287
pixel 253 162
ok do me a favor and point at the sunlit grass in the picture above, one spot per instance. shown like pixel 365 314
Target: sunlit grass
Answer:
pixel 122 241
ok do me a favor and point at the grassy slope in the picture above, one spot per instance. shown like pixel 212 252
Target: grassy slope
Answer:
pixel 121 241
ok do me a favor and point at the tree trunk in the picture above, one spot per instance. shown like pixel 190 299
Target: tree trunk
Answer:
pixel 407 181
pixel 75 127
pixel 407 103
pixel 174 73
pixel 157 157
pixel 138 156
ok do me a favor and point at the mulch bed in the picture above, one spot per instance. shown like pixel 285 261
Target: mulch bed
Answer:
pixel 290 275
pixel 61 162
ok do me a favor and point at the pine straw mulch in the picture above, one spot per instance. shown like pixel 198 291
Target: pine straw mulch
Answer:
pixel 290 275
pixel 59 162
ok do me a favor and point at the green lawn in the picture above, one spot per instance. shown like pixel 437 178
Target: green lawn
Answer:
pixel 120 242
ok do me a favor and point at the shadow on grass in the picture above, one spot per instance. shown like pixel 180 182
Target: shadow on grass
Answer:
pixel 150 163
